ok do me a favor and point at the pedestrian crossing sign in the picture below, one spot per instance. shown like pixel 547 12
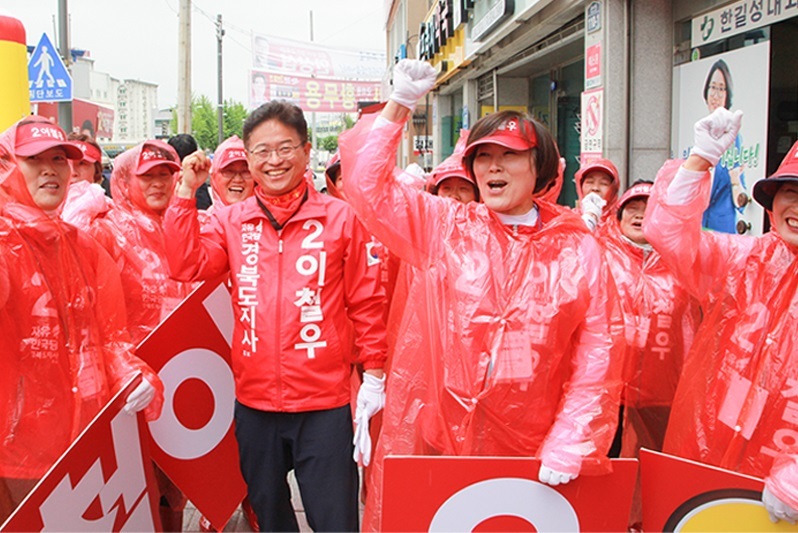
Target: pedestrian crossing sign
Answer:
pixel 48 78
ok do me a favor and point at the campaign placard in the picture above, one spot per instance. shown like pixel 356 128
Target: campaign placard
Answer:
pixel 193 441
pixel 103 482
pixel 501 494
pixel 683 495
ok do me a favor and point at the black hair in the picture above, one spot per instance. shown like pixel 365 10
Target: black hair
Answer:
pixel 545 153
pixel 184 144
pixel 724 69
pixel 619 213
pixel 287 113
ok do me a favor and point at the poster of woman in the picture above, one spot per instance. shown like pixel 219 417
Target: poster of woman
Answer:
pixel 735 80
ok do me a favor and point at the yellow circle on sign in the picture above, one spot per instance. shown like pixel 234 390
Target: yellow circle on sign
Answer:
pixel 732 515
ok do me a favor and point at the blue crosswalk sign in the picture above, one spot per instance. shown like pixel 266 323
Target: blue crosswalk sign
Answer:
pixel 48 78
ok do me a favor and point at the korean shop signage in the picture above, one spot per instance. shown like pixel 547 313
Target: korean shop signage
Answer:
pixel 740 17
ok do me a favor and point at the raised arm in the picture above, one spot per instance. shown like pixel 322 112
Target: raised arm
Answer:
pixel 192 256
pixel 672 225
pixel 403 218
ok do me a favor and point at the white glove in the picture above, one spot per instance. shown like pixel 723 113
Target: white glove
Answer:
pixel 140 398
pixel 553 477
pixel 714 134
pixel 777 509
pixel 592 205
pixel 362 441
pixel 412 79
pixel 370 399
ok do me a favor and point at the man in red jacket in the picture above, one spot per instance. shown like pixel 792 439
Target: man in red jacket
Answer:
pixel 301 271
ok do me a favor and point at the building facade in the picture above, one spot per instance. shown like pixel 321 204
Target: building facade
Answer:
pixel 622 79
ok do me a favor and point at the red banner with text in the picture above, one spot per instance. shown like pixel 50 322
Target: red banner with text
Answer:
pixel 312 94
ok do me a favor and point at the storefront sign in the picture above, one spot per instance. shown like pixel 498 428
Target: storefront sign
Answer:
pixel 422 144
pixel 461 9
pixel 682 495
pixel 739 17
pixel 593 66
pixel 441 41
pixel 193 440
pixel 312 94
pixel 703 86
pixel 93 119
pixel 593 17
pixel 501 494
pixel 103 482
pixel 592 125
pixel 488 14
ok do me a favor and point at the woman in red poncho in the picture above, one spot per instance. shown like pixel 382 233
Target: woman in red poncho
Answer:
pixel 65 348
pixel 507 345
pixel 736 400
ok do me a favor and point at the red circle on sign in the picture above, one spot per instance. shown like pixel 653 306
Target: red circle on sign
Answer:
pixel 194 403
pixel 504 523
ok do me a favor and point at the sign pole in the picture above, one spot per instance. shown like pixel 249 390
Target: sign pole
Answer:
pixel 64 108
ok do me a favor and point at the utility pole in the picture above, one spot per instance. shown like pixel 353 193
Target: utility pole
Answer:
pixel 184 68
pixel 220 106
pixel 313 136
pixel 64 108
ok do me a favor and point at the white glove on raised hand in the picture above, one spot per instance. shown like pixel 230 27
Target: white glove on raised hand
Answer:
pixel 412 79
pixel 554 477
pixel 715 133
pixel 592 205
pixel 140 398
pixel 370 399
pixel 777 509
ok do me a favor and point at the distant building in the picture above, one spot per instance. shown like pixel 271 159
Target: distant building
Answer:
pixel 163 124
pixel 136 109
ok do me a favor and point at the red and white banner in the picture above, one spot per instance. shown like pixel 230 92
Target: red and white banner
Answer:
pixel 193 441
pixel 103 482
pixel 312 94
pixel 501 494
pixel 284 56
pixel 683 495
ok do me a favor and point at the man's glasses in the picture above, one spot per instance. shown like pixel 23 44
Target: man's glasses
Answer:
pixel 283 152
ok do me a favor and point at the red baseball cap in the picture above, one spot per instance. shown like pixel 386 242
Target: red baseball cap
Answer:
pixel 600 164
pixel 514 133
pixel 154 153
pixel 36 136
pixel 765 189
pixel 452 166
pixel 230 151
pixel 639 190
pixel 90 152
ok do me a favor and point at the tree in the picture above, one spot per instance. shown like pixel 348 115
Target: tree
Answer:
pixel 329 143
pixel 205 122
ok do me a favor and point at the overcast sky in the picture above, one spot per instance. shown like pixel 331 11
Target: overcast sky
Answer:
pixel 138 39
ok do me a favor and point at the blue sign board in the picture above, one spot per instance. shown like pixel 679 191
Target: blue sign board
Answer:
pixel 593 17
pixel 48 78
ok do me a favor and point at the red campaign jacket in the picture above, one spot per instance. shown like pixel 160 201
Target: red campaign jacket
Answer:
pixel 735 406
pixel 133 235
pixel 64 348
pixel 660 319
pixel 505 342
pixel 294 293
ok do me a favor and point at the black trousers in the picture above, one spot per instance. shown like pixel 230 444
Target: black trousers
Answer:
pixel 317 445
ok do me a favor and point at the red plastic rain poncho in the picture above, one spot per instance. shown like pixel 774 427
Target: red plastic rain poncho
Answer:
pixel 736 402
pixel 132 233
pixel 660 319
pixel 505 343
pixel 608 167
pixel 65 348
